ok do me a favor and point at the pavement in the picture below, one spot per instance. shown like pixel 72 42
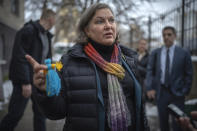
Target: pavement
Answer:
pixel 26 123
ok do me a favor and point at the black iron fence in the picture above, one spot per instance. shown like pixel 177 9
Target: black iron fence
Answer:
pixel 184 19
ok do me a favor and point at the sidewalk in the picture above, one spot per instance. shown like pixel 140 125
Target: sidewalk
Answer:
pixel 26 123
pixel 152 116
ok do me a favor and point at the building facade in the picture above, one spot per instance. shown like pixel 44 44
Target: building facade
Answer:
pixel 11 19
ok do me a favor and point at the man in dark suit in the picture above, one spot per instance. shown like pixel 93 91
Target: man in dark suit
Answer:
pixel 169 77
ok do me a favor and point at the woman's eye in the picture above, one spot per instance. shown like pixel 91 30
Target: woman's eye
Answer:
pixel 99 21
pixel 112 20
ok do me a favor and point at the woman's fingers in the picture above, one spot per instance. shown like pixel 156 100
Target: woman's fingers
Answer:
pixel 31 60
pixel 39 76
pixel 36 66
pixel 39 80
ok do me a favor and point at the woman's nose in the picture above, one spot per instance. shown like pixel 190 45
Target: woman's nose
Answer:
pixel 107 25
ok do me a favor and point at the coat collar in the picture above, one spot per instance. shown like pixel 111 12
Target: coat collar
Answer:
pixel 77 50
pixel 39 28
pixel 128 52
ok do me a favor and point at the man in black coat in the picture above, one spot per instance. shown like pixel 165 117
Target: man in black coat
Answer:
pixel 33 38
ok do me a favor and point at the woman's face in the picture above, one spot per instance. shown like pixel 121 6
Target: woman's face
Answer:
pixel 102 27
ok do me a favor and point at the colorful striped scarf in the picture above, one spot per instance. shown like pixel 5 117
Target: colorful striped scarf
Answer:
pixel 119 115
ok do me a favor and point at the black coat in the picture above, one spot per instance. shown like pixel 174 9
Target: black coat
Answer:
pixel 27 41
pixel 78 100
pixel 142 66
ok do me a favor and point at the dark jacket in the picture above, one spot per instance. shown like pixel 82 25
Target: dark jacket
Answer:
pixel 181 72
pixel 142 68
pixel 142 65
pixel 27 41
pixel 78 101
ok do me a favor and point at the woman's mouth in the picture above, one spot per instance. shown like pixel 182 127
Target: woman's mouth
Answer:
pixel 108 35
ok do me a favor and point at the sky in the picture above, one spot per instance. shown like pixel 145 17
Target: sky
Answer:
pixel 155 8
pixel 152 9
pixel 143 10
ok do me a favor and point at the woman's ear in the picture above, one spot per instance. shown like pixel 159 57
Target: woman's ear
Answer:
pixel 86 30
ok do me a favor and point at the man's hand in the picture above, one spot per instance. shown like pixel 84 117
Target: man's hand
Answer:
pixel 26 90
pixel 151 94
pixel 194 115
pixel 39 77
pixel 185 122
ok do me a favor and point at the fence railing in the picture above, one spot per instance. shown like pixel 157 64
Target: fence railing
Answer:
pixel 184 19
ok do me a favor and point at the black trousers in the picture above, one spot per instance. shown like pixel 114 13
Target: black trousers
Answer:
pixel 165 98
pixel 16 110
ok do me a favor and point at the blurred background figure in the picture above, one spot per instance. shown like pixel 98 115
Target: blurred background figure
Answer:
pixel 33 38
pixel 142 60
pixel 169 77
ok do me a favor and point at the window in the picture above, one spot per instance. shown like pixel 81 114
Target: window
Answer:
pixel 15 6
pixel 2 46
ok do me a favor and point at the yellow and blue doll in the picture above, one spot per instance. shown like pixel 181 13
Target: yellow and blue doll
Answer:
pixel 53 82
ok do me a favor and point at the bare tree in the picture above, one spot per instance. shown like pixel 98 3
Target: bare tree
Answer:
pixel 69 12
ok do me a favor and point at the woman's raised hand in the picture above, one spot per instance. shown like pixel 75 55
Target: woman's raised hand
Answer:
pixel 39 77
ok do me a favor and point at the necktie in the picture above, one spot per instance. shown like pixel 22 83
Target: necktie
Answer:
pixel 167 69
